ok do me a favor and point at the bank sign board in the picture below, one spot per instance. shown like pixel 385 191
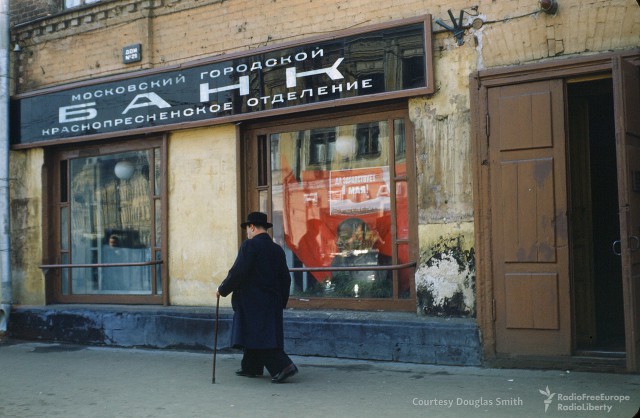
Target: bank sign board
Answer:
pixel 390 61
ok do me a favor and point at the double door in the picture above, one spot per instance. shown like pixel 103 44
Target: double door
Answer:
pixel 541 292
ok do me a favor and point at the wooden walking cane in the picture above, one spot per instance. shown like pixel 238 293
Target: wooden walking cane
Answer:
pixel 215 341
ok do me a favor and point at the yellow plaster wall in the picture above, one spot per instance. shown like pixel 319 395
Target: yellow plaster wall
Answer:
pixel 442 129
pixel 431 234
pixel 202 166
pixel 26 226
pixel 203 213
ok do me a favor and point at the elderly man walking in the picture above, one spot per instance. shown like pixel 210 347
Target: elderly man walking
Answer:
pixel 259 280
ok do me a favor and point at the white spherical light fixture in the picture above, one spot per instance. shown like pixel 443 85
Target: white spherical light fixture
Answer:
pixel 124 170
pixel 346 145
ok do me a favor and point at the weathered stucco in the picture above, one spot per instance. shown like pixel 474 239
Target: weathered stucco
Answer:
pixel 202 162
pixel 203 219
pixel 446 274
pixel 28 285
pixel 445 277
pixel 443 146
pixel 504 34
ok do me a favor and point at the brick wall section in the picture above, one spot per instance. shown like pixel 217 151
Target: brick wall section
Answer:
pixel 87 43
pixel 22 11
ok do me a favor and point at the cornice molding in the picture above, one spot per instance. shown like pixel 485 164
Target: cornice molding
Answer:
pixel 99 16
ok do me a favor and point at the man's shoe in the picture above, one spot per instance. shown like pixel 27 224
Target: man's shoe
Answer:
pixel 245 373
pixel 286 373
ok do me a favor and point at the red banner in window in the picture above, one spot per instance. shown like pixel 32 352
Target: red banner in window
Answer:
pixel 331 214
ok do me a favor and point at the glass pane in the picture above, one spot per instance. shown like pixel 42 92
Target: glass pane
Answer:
pixel 275 161
pixel 159 273
pixel 64 195
pixel 404 275
pixel 263 168
pixel 331 207
pixel 263 201
pixel 64 228
pixel 158 222
pixel 402 210
pixel 111 223
pixel 157 172
pixel 64 275
pixel 400 147
pixel 368 144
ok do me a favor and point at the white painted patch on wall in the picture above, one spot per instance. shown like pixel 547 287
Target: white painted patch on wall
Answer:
pixel 478 33
pixel 443 279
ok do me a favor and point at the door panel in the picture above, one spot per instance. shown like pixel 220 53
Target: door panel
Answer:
pixel 527 189
pixel 522 309
pixel 520 115
pixel 529 225
pixel 627 116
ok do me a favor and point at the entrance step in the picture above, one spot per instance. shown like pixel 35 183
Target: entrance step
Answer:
pixel 388 336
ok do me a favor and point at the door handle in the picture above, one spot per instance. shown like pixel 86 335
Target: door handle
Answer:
pixel 634 245
pixel 613 247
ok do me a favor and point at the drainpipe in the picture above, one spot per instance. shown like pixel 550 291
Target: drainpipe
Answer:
pixel 5 257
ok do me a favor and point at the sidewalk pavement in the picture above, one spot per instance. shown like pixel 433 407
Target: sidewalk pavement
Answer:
pixel 60 380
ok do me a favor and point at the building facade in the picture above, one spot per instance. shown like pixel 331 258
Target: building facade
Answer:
pixel 449 160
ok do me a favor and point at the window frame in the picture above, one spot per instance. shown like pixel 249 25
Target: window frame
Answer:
pixel 52 265
pixel 251 190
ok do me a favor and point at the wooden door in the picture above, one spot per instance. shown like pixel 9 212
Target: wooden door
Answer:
pixel 626 79
pixel 530 255
pixel 581 224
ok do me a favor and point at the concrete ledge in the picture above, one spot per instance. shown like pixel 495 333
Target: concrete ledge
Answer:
pixel 389 336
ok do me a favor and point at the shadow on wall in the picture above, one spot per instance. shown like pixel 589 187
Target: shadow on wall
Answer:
pixel 446 279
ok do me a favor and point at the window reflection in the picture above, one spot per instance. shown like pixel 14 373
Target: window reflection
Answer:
pixel 68 4
pixel 322 146
pixel 111 222
pixel 332 207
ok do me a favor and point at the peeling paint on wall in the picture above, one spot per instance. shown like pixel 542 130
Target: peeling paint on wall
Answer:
pixel 445 279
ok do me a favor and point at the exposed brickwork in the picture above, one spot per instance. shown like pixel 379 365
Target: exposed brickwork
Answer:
pixel 28 10
pixel 87 42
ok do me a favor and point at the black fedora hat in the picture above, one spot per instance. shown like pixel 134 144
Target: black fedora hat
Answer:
pixel 256 218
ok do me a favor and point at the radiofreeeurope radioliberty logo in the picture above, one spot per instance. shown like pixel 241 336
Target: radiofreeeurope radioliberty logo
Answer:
pixel 549 396
pixel 582 402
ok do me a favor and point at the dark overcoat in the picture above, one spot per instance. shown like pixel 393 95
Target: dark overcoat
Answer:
pixel 259 280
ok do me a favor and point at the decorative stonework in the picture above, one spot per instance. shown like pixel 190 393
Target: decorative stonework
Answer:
pixel 102 13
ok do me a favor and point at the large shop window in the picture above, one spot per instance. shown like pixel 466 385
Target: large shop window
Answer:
pixel 339 197
pixel 109 207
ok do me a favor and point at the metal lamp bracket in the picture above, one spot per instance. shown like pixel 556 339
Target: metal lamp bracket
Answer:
pixel 457 29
